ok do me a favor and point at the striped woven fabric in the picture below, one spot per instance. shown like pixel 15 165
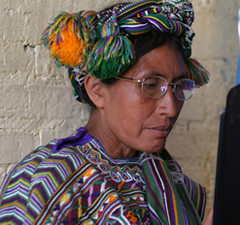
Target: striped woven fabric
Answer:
pixel 74 181
pixel 168 192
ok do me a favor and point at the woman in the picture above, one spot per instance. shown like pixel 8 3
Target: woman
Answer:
pixel 131 64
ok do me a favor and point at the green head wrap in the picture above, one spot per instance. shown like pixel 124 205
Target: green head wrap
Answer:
pixel 96 43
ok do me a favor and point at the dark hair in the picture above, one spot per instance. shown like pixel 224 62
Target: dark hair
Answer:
pixel 146 42
pixel 143 44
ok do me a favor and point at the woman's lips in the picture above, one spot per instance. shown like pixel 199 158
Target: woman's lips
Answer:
pixel 160 131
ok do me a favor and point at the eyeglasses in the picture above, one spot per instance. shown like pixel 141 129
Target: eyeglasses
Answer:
pixel 156 87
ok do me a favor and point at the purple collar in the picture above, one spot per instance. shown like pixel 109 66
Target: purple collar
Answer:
pixel 80 138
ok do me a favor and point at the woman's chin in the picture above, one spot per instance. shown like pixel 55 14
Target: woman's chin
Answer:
pixel 155 147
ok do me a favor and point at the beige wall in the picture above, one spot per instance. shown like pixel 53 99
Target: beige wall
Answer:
pixel 36 101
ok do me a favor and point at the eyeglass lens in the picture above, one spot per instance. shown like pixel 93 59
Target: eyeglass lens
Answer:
pixel 156 87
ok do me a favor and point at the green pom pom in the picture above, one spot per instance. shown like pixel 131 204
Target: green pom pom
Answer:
pixel 197 72
pixel 110 57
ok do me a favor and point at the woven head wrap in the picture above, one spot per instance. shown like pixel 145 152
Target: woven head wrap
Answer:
pixel 97 44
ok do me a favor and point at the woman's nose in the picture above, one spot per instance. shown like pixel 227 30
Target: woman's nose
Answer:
pixel 168 104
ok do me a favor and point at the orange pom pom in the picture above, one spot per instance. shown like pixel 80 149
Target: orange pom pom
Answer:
pixel 70 37
pixel 69 50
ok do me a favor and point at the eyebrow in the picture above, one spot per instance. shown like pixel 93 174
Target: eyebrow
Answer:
pixel 181 76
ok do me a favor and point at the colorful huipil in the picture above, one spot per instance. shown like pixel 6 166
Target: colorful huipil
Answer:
pixel 74 181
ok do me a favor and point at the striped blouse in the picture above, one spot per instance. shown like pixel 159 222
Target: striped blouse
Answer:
pixel 74 181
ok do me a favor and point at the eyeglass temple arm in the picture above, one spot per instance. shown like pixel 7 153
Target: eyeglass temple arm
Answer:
pixel 129 79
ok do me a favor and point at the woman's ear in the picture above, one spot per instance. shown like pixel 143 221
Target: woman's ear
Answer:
pixel 93 88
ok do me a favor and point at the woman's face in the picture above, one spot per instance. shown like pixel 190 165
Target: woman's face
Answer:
pixel 134 120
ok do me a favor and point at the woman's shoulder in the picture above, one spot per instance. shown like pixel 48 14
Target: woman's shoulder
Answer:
pixel 57 160
pixel 39 175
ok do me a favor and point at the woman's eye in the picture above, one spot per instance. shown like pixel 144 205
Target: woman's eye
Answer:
pixel 151 83
pixel 179 86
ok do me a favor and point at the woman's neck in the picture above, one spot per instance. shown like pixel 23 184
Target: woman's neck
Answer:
pixel 110 143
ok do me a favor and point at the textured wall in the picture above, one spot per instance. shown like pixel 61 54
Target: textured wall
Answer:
pixel 36 101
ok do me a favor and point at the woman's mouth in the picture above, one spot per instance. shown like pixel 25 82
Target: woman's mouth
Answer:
pixel 160 131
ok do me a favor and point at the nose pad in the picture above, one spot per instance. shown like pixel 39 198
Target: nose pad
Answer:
pixel 163 89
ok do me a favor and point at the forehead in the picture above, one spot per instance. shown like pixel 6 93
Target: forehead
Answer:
pixel 164 61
